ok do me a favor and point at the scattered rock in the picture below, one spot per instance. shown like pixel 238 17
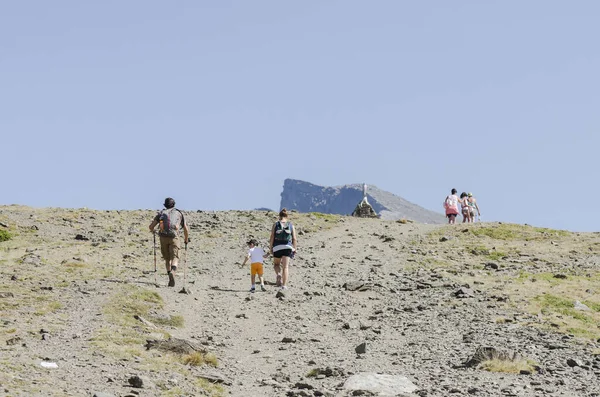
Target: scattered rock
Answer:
pixel 361 349
pixel 280 294
pixel 574 363
pixel 464 292
pixel 7 295
pixel 580 306
pixel 102 394
pixel 81 237
pixel 214 377
pixel 13 341
pixel 492 265
pixel 140 382
pixel 560 276
pixel 288 340
pixel 356 286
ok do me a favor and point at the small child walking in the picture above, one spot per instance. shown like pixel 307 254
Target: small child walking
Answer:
pixel 256 255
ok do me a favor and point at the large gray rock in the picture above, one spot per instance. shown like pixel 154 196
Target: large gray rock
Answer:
pixel 380 384
pixel 307 197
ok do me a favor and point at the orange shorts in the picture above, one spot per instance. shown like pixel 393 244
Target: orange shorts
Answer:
pixel 256 268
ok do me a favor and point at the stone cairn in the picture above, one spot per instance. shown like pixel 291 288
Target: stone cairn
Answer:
pixel 364 209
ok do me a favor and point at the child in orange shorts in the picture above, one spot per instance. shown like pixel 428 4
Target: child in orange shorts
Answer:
pixel 256 256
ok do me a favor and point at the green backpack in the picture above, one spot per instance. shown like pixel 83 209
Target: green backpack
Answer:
pixel 283 236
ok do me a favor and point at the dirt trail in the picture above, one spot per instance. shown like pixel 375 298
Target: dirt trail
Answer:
pixel 422 298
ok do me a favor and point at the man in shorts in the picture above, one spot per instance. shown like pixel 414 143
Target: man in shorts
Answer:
pixel 170 221
pixel 256 256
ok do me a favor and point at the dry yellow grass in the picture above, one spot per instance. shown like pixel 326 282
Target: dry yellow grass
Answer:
pixel 198 358
pixel 507 366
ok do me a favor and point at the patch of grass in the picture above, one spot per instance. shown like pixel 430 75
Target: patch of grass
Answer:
pixel 479 250
pixel 313 373
pixel 583 333
pixel 75 265
pixel 496 255
pixel 213 389
pixel 545 276
pixel 552 303
pixel 198 358
pixel 551 232
pixel 595 306
pixel 510 231
pixel 5 235
pixel 50 307
pixel 326 217
pixel 134 301
pixel 507 366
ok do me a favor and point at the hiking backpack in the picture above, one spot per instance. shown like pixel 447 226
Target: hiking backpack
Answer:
pixel 283 235
pixel 169 220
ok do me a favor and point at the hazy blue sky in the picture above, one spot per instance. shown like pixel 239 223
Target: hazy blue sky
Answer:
pixel 117 104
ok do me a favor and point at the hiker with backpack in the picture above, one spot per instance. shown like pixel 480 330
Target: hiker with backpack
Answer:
pixel 256 255
pixel 170 221
pixel 283 247
pixel 451 206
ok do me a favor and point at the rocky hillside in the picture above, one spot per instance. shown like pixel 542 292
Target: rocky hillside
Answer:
pixel 374 307
pixel 307 197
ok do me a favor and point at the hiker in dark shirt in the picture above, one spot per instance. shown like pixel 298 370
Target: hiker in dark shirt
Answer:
pixel 170 221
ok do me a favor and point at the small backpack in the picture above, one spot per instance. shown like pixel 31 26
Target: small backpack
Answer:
pixel 169 222
pixel 283 235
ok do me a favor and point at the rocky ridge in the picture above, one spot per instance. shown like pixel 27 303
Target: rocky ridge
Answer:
pixel 375 307
pixel 342 200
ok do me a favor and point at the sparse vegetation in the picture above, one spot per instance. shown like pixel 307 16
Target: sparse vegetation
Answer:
pixel 508 366
pixel 509 231
pixel 198 358
pixel 213 389
pixel 313 373
pixel 5 235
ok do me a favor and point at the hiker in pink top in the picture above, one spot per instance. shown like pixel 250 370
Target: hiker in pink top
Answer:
pixel 451 206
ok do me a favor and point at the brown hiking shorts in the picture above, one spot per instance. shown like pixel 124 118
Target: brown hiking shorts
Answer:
pixel 169 247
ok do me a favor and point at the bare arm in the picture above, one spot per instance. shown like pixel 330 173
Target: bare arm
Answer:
pixel 153 225
pixel 294 238
pixel 245 259
pixel 186 232
pixel 272 238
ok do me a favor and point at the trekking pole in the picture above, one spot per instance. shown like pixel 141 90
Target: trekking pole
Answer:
pixel 154 245
pixel 184 290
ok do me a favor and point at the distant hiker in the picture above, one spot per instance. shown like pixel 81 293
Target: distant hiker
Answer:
pixel 256 256
pixel 451 206
pixel 473 206
pixel 283 246
pixel 170 221
pixel 464 207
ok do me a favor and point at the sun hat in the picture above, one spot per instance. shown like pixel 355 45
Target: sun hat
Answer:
pixel 470 194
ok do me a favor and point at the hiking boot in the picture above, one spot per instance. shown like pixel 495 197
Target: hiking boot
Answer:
pixel 252 289
pixel 171 280
pixel 262 288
